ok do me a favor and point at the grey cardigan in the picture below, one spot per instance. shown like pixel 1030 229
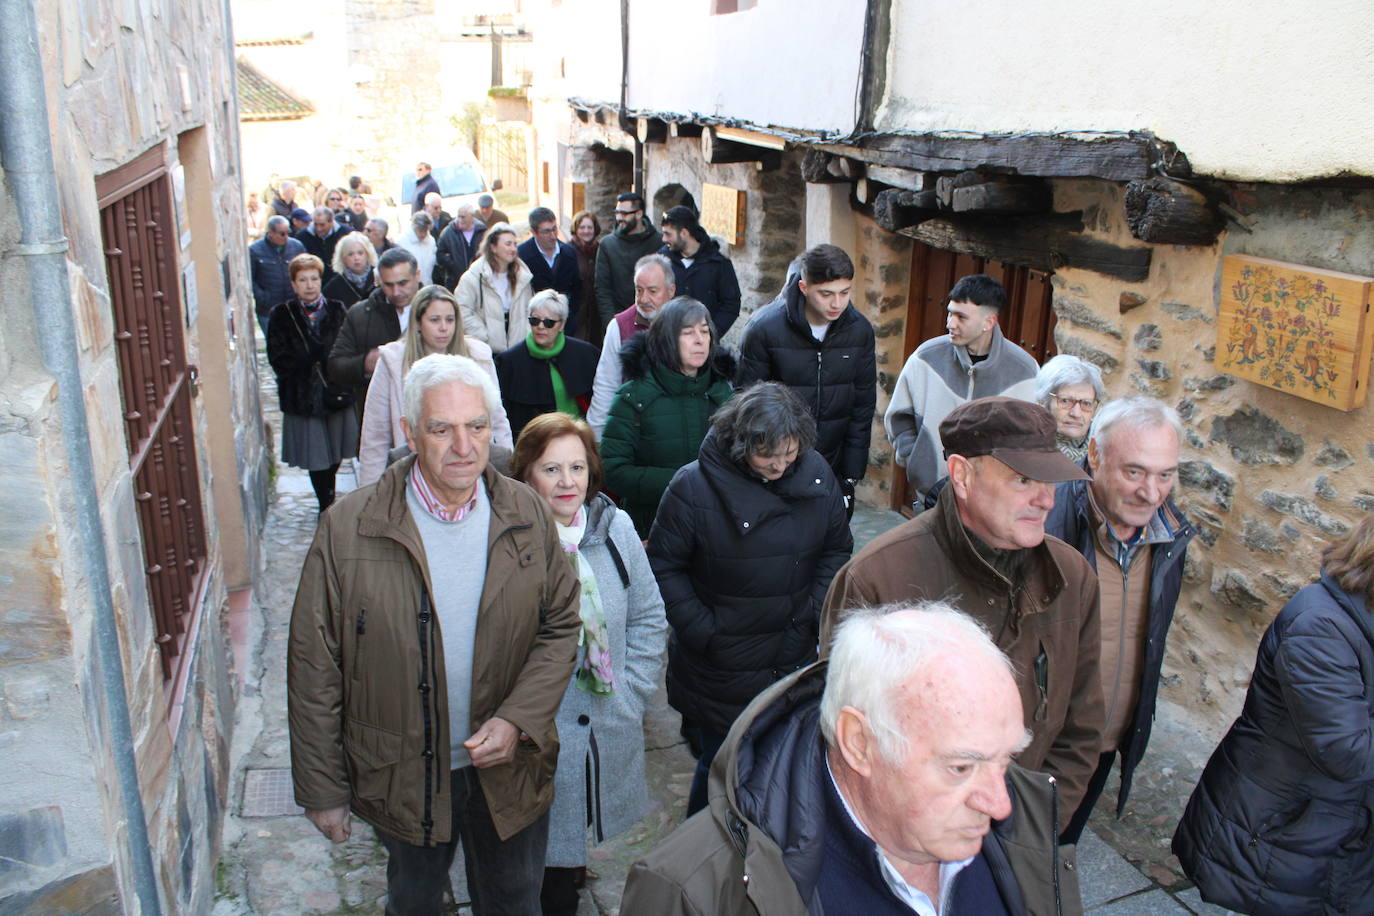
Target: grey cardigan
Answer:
pixel 603 737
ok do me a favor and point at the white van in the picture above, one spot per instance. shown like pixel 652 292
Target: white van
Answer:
pixel 461 181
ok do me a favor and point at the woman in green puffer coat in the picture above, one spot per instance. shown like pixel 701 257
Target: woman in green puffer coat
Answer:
pixel 676 375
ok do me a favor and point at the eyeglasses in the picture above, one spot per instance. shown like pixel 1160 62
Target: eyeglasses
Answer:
pixel 627 212
pixel 549 323
pixel 1087 405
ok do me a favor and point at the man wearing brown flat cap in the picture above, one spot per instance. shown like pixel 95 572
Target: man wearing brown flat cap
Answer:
pixel 983 549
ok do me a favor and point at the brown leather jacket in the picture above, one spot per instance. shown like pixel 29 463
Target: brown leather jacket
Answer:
pixel 366 691
pixel 1047 623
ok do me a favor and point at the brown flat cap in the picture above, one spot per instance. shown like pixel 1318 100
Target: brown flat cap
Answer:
pixel 1017 433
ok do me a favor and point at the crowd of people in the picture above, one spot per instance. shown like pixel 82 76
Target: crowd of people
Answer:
pixel 569 489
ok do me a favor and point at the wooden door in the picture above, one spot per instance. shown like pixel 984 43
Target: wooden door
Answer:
pixel 1027 320
pixel 140 235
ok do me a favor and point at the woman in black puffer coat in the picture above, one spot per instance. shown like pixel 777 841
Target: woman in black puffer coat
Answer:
pixel 1282 821
pixel 745 543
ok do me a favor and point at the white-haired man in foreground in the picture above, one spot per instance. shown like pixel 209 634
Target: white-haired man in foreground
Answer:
pixel 432 638
pixel 878 782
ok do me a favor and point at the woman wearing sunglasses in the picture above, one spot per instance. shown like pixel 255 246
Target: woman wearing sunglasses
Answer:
pixel 548 370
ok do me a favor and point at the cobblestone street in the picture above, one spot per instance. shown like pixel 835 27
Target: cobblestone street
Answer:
pixel 278 864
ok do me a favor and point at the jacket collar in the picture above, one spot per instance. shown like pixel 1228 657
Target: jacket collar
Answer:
pixel 386 513
pixel 999 343
pixel 1354 605
pixel 750 500
pixel 794 307
pixel 1043 577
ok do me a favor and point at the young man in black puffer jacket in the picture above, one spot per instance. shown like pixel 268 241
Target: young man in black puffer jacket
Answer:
pixel 815 342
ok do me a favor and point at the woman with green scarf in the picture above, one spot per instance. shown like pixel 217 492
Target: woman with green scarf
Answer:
pixel 548 370
pixel 599 787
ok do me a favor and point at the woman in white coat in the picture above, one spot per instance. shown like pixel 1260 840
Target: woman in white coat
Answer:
pixel 433 328
pixel 495 292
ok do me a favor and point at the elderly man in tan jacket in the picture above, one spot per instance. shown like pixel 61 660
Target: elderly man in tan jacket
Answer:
pixel 433 635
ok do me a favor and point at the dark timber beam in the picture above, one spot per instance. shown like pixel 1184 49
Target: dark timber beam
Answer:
pixel 1115 157
pixel 895 209
pixel 684 129
pixel 815 168
pixel 1037 242
pixel 1170 213
pixel 651 130
pixel 717 150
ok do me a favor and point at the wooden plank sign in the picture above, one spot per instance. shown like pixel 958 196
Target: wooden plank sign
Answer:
pixel 1301 330
pixel 723 212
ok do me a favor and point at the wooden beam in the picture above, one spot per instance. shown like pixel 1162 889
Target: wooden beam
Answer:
pixel 1123 157
pixel 684 129
pixel 895 209
pixel 718 150
pixel 815 168
pixel 1170 213
pixel 751 137
pixel 1001 197
pixel 1035 242
pixel 651 130
pixel 898 178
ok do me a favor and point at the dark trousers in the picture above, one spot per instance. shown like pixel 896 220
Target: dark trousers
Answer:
pixel 1072 832
pixel 707 742
pixel 559 896
pixel 503 877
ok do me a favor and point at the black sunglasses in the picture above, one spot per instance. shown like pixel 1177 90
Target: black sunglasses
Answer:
pixel 546 322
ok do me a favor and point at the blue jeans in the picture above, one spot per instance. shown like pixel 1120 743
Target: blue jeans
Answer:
pixel 503 877
pixel 709 741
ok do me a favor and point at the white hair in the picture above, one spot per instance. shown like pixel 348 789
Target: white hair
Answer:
pixel 445 369
pixel 550 300
pixel 1065 369
pixel 348 243
pixel 1137 412
pixel 278 220
pixel 877 650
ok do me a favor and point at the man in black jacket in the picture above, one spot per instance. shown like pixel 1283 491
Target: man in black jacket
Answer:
pixel 1125 525
pixel 815 342
pixel 321 237
pixel 702 272
pixel 424 184
pixel 553 263
pixel 378 319
pixel 458 246
pixel 619 253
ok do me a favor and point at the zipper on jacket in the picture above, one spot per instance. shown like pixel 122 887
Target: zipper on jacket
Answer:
pixel 818 384
pixel 1054 841
pixel 1120 645
pixel 423 626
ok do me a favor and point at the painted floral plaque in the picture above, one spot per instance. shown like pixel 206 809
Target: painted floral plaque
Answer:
pixel 1302 330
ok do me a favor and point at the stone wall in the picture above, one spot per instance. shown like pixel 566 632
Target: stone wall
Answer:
pixel 1268 478
pixel 775 216
pixel 120 80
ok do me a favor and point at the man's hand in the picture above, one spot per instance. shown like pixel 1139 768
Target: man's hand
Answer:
pixel 332 822
pixel 370 360
pixel 493 744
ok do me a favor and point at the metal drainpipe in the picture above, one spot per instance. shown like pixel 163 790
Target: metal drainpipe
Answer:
pixel 26 154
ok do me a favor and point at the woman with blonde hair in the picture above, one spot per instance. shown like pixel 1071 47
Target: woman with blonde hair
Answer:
pixel 355 275
pixel 1282 820
pixel 495 291
pixel 433 328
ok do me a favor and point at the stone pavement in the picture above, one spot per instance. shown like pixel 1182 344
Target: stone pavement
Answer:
pixel 279 864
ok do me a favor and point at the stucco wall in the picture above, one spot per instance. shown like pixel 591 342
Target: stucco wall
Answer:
pixel 1263 90
pixel 793 63
pixel 121 79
